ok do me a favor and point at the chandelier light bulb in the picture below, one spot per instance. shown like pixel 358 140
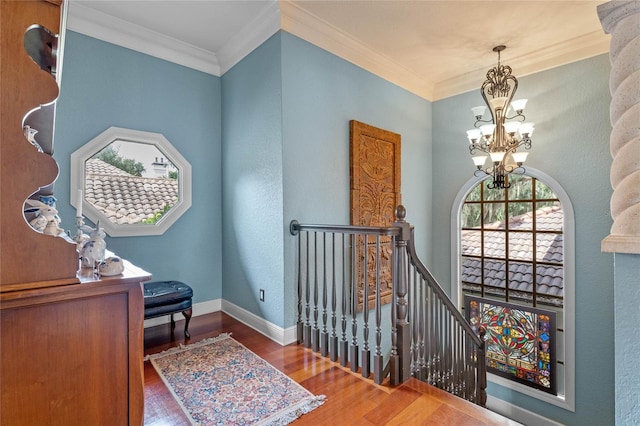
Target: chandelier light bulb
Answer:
pixel 497 156
pixel 526 129
pixel 487 129
pixel 520 157
pixel 474 135
pixel 478 111
pixel 511 127
pixel 518 105
pixel 479 160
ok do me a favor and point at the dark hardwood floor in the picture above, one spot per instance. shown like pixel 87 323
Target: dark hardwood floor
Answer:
pixel 351 400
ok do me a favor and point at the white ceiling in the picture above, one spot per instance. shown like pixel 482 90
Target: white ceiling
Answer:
pixel 433 48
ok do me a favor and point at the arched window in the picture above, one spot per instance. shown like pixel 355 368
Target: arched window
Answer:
pixel 512 269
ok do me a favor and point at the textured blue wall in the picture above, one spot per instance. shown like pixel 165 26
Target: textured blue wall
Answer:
pixel 627 335
pixel 286 111
pixel 321 93
pixel 252 182
pixel 570 106
pixel 105 85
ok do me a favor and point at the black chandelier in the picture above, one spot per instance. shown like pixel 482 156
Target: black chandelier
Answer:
pixel 501 136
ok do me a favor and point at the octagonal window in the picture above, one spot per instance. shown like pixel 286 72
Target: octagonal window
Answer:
pixel 133 182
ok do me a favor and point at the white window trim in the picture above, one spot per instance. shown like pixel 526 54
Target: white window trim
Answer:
pixel 566 401
pixel 104 139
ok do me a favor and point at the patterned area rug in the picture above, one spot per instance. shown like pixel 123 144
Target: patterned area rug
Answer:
pixel 220 382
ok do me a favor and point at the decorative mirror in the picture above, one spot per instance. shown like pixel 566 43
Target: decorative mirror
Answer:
pixel 133 182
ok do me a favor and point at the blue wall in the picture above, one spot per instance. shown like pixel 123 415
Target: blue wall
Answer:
pixel 627 337
pixel 105 85
pixel 286 111
pixel 321 94
pixel 252 182
pixel 570 107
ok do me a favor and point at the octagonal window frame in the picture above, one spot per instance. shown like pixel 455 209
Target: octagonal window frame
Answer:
pixel 106 138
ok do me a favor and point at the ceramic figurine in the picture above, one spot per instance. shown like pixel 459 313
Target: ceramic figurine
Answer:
pixel 30 134
pixel 111 266
pixel 47 220
pixel 93 250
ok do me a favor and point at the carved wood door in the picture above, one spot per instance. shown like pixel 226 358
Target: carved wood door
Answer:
pixel 375 193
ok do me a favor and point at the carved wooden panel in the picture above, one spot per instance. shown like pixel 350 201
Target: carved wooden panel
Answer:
pixel 375 193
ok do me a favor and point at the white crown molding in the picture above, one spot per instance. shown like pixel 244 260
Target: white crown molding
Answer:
pixel 107 28
pixel 251 36
pixel 292 18
pixel 579 48
pixel 318 32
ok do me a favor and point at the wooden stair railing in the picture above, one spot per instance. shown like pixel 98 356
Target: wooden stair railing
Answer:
pixel 341 283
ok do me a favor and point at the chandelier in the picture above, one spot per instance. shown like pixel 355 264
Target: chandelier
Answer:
pixel 501 136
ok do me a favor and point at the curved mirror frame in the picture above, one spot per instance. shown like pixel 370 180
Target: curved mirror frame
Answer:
pixel 153 143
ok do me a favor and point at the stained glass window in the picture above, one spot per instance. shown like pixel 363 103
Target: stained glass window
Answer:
pixel 520 342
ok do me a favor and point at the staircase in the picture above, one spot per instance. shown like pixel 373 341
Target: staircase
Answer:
pixel 365 300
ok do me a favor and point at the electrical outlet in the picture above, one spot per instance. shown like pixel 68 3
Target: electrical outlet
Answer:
pixel 261 295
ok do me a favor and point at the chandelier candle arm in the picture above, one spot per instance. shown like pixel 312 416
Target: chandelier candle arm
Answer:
pixel 502 135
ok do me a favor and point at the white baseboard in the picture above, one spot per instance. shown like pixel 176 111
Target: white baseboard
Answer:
pixel 518 414
pixel 280 335
pixel 277 334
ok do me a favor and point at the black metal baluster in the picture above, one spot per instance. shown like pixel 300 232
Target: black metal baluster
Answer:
pixel 316 331
pixel 366 353
pixel 307 324
pixel 344 344
pixel 333 347
pixel 353 359
pixel 324 336
pixel 299 323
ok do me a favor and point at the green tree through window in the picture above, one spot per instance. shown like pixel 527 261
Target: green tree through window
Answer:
pixel 111 156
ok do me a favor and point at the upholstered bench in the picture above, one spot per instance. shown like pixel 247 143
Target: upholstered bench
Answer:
pixel 168 298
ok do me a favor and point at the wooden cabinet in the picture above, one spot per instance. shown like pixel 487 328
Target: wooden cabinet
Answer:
pixel 29 87
pixel 72 354
pixel 71 345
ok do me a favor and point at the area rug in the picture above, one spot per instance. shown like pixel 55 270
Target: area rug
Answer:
pixel 218 381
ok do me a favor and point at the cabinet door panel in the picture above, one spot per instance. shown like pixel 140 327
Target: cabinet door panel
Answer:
pixel 66 362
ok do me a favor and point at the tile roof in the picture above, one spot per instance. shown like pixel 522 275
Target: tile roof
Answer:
pixel 548 249
pixel 124 198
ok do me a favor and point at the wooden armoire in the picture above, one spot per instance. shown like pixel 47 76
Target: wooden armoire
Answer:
pixel 71 344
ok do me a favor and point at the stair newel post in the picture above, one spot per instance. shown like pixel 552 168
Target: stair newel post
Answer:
pixel 401 331
pixel 481 391
pixel 293 229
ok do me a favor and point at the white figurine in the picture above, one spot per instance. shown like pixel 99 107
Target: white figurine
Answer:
pixel 30 134
pixel 47 220
pixel 93 250
pixel 111 266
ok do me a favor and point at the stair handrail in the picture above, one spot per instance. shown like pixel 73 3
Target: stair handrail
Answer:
pixel 477 337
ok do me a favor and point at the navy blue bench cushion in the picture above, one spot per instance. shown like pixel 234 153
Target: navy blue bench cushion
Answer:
pixel 158 311
pixel 165 294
